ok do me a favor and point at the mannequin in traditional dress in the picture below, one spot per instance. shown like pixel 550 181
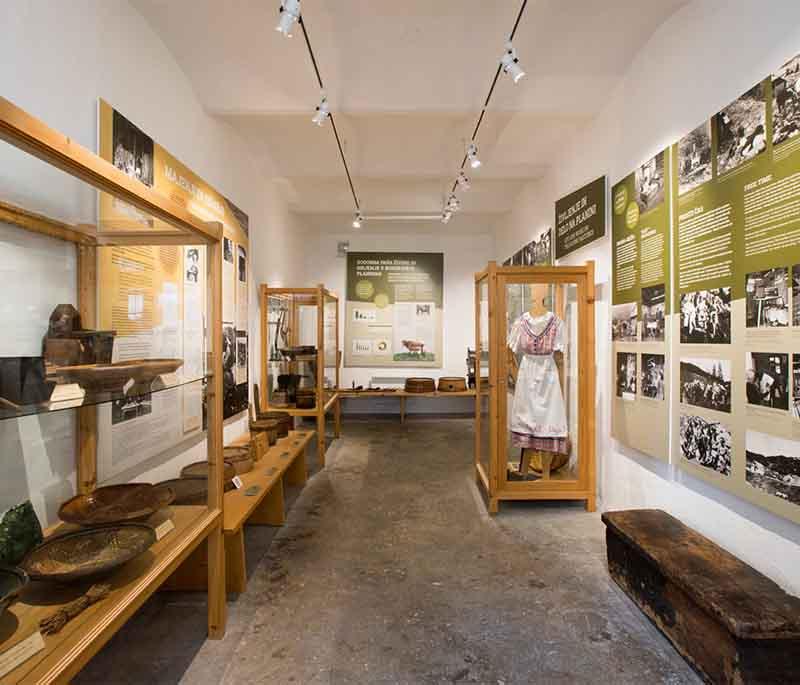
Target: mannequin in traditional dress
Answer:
pixel 538 414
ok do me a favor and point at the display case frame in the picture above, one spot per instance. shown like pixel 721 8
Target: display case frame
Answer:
pixel 294 298
pixel 62 655
pixel 491 440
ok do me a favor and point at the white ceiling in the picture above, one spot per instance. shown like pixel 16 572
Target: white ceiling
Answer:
pixel 406 81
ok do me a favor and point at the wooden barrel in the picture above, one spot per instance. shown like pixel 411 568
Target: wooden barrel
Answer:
pixel 420 385
pixel 284 419
pixel 452 384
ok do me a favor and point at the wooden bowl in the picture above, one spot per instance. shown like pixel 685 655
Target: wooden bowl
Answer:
pixel 186 490
pixel 284 419
pixel 113 377
pixel 452 384
pixel 88 553
pixel 12 581
pixel 115 504
pixel 420 385
pixel 200 470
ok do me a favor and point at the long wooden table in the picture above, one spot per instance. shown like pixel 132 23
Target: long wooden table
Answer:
pixel 402 395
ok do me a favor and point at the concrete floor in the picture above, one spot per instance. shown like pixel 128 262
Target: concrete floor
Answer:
pixel 390 571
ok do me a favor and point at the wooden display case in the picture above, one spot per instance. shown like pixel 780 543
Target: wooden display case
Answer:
pixel 300 350
pixel 502 296
pixel 58 177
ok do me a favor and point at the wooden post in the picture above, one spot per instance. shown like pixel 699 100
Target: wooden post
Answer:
pixel 320 379
pixel 337 418
pixel 87 416
pixel 588 382
pixel 402 409
pixel 496 365
pixel 217 608
pixel 264 380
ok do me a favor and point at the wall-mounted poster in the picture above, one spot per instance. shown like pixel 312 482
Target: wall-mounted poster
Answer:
pixel 737 297
pixel 580 217
pixel 163 286
pixel 393 315
pixel 640 305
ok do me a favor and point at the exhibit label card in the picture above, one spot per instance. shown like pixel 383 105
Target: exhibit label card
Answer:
pixel 640 307
pixel 394 311
pixel 580 217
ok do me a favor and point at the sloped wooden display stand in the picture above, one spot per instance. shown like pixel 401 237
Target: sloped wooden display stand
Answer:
pixel 260 501
pixel 311 297
pixel 491 452
pixel 66 652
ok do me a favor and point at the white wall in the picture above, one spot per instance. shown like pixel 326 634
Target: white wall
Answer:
pixel 701 59
pixel 463 256
pixel 56 60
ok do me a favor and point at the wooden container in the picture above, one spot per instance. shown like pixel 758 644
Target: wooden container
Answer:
pixel 115 504
pixel 306 398
pixel 242 458
pixel 285 423
pixel 420 385
pixel 268 427
pixel 452 384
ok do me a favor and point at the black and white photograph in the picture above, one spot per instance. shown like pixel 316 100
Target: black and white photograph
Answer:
pixel 626 375
pixel 227 250
pixel 767 378
pixel 767 298
pixel 706 443
pixel 796 295
pixel 133 150
pixel 653 313
pixel 796 386
pixel 625 322
pixel 192 265
pixel 129 408
pixel 230 399
pixel 706 317
pixel 241 352
pixel 786 102
pixel 773 465
pixel 694 158
pixel 706 383
pixel 650 183
pixel 242 263
pixel 652 381
pixel 741 130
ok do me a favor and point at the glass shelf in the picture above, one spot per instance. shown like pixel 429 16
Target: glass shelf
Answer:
pixel 31 394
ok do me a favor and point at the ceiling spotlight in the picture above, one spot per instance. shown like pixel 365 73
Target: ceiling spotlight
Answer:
pixel 446 216
pixel 462 181
pixel 472 155
pixel 323 111
pixel 289 14
pixel 453 203
pixel 358 219
pixel 510 63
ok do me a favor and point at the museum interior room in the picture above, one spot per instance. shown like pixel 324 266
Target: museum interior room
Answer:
pixel 399 342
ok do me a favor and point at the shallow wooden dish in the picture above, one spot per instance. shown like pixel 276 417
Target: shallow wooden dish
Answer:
pixel 12 581
pixel 200 470
pixel 88 553
pixel 115 504
pixel 420 385
pixel 452 384
pixel 186 490
pixel 113 377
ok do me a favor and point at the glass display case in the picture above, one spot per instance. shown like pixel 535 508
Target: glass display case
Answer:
pixel 535 328
pixel 110 376
pixel 300 355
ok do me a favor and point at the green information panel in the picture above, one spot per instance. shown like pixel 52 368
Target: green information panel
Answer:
pixel 580 217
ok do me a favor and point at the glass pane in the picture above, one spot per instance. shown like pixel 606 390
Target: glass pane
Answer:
pixel 292 350
pixel 330 337
pixel 480 364
pixel 542 396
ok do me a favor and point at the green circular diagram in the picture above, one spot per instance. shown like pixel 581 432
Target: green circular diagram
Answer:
pixel 381 300
pixel 632 215
pixel 365 290
pixel 620 200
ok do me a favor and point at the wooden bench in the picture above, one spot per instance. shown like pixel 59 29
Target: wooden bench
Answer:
pixel 730 622
pixel 260 501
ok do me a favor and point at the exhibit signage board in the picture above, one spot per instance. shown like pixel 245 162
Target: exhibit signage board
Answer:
pixel 155 296
pixel 640 307
pixel 580 217
pixel 734 338
pixel 737 248
pixel 394 309
pixel 537 252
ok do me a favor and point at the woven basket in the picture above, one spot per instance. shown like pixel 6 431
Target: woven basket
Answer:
pixel 420 385
pixel 452 384
pixel 284 419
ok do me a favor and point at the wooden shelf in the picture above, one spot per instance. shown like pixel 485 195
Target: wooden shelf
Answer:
pixel 68 651
pixel 293 411
pixel 347 394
